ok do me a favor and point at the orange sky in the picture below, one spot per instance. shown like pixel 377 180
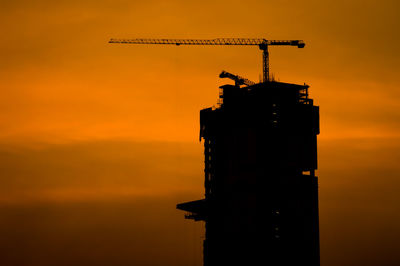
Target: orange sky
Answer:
pixel 82 120
pixel 64 82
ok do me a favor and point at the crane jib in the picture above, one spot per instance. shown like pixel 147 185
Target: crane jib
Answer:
pixel 260 42
pixel 219 41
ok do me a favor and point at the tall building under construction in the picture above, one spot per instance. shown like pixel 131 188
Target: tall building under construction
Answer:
pixel 261 192
pixel 260 148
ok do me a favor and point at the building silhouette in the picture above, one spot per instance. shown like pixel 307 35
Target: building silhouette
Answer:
pixel 261 192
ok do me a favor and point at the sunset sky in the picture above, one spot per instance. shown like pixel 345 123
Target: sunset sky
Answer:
pixel 99 141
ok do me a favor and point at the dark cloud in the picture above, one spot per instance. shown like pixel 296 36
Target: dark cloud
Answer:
pixel 99 203
pixel 100 167
pixel 359 201
pixel 143 231
pixel 359 211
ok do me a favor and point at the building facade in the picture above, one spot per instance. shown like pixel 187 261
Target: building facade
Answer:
pixel 261 192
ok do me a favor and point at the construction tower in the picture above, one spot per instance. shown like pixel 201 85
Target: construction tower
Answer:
pixel 260 148
pixel 261 192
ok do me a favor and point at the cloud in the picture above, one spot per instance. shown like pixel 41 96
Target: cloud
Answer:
pixel 99 170
pixel 93 203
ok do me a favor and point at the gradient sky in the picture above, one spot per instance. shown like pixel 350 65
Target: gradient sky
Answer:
pixel 99 141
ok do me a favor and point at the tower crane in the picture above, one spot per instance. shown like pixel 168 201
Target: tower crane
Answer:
pixel 238 79
pixel 263 44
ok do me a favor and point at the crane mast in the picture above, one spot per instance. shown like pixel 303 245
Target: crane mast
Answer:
pixel 261 43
